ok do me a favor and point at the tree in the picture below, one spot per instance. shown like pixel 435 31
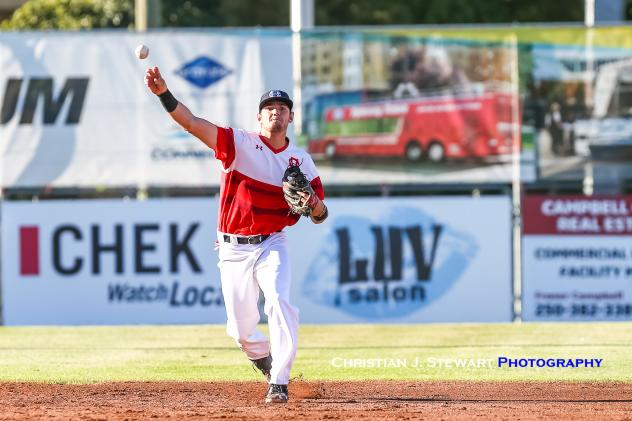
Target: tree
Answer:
pixel 91 14
pixel 204 13
pixel 235 13
pixel 402 12
pixel 87 14
pixel 71 14
pixel 191 13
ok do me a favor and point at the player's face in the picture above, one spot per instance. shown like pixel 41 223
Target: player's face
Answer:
pixel 275 117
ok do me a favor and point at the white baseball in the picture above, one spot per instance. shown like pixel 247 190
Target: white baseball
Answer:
pixel 142 51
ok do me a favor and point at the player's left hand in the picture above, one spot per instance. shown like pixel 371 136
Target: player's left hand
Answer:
pixel 297 191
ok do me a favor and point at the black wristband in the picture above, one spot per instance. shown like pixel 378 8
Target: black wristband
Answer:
pixel 168 101
pixel 322 215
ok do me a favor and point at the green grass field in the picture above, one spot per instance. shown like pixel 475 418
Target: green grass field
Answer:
pixel 205 353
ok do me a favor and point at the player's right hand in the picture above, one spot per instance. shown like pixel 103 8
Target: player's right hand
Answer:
pixel 155 82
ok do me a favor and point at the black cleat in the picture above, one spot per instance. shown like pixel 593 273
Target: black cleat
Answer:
pixel 277 393
pixel 264 365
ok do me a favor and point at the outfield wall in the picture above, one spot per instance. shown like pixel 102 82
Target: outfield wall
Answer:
pixel 375 260
pixel 74 114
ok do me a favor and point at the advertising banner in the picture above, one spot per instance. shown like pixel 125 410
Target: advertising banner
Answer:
pixel 110 262
pixel 375 260
pixel 402 107
pixel 574 103
pixel 577 262
pixel 575 98
pixel 405 260
pixel 75 112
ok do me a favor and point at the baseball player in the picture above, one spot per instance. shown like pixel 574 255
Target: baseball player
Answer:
pixel 257 201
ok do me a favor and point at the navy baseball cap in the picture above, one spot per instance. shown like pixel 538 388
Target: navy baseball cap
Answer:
pixel 275 95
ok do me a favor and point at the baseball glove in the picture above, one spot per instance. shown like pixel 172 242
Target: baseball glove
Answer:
pixel 297 191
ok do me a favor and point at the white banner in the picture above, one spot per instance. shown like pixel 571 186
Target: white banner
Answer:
pixel 577 278
pixel 110 262
pixel 577 263
pixel 377 260
pixel 405 260
pixel 75 110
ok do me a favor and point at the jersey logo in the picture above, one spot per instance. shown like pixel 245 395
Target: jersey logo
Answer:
pixel 294 162
pixel 260 147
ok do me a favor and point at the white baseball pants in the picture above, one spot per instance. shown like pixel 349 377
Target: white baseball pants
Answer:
pixel 244 268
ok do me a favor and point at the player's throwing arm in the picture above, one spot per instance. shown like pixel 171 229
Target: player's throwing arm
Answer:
pixel 198 127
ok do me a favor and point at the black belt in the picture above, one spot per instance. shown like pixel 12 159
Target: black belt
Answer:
pixel 253 239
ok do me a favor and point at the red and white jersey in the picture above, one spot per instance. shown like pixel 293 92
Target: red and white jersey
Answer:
pixel 251 192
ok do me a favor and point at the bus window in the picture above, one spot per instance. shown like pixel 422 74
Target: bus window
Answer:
pixel 361 127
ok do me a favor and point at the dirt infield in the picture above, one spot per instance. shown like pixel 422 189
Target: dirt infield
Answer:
pixel 318 400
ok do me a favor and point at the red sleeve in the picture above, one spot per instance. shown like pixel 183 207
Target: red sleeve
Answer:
pixel 225 147
pixel 317 186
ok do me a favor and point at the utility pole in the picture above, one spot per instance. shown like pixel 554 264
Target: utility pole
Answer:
pixel 147 14
pixel 302 17
pixel 588 182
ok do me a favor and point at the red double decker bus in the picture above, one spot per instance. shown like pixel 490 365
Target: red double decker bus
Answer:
pixel 432 127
